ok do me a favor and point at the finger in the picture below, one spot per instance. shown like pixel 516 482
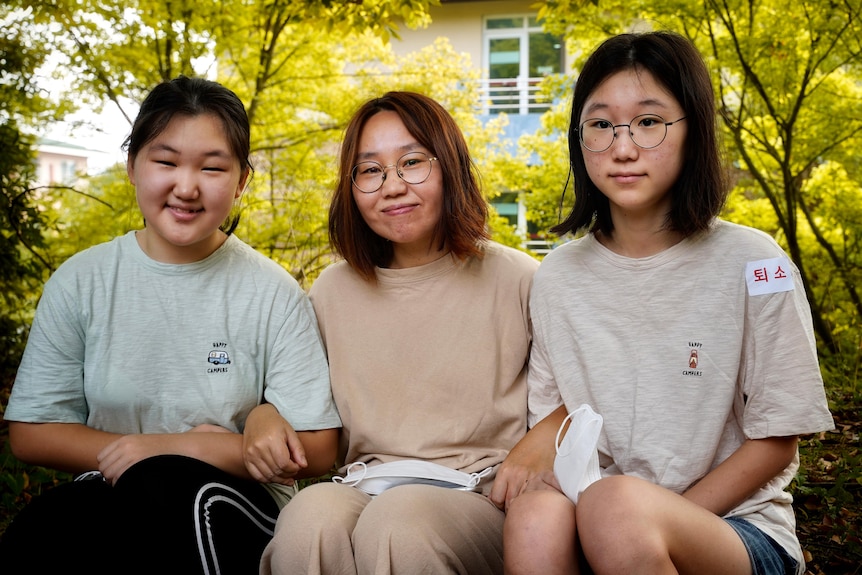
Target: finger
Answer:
pixel 498 494
pixel 297 451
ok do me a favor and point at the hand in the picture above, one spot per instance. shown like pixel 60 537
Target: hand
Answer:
pixel 272 450
pixel 124 452
pixel 529 465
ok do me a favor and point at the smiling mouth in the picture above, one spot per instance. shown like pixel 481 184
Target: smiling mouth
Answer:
pixel 398 208
pixel 184 210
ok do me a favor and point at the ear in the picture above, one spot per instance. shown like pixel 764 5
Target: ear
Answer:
pixel 130 168
pixel 243 180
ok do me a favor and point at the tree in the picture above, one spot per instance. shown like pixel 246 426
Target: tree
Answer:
pixel 22 259
pixel 788 97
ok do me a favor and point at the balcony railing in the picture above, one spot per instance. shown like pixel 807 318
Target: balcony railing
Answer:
pixel 510 95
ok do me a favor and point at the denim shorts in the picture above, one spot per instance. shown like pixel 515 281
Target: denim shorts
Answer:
pixel 767 556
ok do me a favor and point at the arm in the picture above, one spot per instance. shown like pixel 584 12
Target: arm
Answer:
pixel 274 452
pixel 77 448
pixel 532 457
pixel 71 447
pixel 749 468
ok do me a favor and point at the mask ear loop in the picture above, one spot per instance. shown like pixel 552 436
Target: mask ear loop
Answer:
pixel 475 478
pixel 349 478
pixel 560 431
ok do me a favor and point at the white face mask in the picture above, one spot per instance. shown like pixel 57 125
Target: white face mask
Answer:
pixel 577 463
pixel 378 478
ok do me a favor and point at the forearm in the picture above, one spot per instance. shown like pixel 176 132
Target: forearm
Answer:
pixel 222 450
pixel 75 448
pixel 71 447
pixel 750 467
pixel 536 449
pixel 321 449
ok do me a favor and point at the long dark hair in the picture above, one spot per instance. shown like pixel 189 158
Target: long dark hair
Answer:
pixel 700 191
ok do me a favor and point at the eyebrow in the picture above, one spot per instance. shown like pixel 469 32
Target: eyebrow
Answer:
pixel 596 106
pixel 162 147
pixel 406 148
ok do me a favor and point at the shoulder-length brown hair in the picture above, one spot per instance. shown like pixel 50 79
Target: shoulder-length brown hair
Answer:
pixel 463 225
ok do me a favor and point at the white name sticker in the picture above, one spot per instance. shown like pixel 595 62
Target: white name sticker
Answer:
pixel 769 276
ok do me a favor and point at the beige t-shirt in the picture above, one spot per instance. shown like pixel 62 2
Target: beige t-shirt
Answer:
pixel 685 354
pixel 430 362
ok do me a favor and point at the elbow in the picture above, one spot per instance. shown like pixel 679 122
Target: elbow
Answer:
pixel 321 452
pixel 22 444
pixel 789 448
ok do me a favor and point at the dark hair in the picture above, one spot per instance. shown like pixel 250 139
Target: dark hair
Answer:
pixel 700 190
pixel 463 224
pixel 184 96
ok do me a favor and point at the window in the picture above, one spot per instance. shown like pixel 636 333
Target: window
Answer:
pixel 518 55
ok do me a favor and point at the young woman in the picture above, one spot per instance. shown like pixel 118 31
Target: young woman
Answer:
pixel 427 331
pixel 145 357
pixel 690 336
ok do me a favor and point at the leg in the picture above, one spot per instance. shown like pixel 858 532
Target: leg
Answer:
pixel 313 533
pixel 421 529
pixel 627 525
pixel 204 519
pixel 540 535
pixel 69 528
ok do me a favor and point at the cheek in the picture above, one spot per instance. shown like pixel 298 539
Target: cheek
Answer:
pixel 364 203
pixel 592 163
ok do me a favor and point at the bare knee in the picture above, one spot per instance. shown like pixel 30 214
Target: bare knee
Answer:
pixel 539 534
pixel 618 528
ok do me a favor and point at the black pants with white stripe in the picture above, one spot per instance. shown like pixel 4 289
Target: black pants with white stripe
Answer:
pixel 168 514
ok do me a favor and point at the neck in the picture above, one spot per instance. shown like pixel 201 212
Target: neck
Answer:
pixel 404 257
pixel 633 243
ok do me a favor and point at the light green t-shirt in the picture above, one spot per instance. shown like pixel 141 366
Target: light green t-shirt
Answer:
pixel 126 344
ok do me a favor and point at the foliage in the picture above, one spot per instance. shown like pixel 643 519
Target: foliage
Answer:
pixel 789 101
pixel 21 222
pixel 789 98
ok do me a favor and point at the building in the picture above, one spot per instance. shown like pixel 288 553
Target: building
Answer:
pixel 59 163
pixel 512 53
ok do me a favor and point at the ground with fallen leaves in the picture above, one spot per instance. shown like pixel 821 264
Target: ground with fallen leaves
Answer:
pixel 828 496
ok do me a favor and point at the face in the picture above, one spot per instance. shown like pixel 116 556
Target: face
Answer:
pixel 636 181
pixel 186 180
pixel 405 214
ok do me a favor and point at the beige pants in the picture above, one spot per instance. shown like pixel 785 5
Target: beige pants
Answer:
pixel 334 529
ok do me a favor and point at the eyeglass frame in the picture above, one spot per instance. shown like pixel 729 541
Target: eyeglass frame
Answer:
pixel 614 127
pixel 397 171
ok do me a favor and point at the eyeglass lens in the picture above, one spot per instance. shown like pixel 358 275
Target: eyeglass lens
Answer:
pixel 413 168
pixel 647 131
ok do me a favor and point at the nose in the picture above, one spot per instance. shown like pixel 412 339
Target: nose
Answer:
pixel 623 144
pixel 186 184
pixel 392 186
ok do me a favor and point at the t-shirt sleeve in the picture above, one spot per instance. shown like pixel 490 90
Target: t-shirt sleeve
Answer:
pixel 543 395
pixel 49 385
pixel 297 377
pixel 783 386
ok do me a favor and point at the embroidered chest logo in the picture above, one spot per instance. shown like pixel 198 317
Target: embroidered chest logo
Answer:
pixel 693 360
pixel 218 359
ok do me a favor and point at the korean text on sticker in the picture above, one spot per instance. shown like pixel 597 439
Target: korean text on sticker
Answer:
pixel 768 276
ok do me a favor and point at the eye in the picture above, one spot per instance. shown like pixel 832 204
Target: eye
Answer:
pixel 650 121
pixel 598 124
pixel 368 168
pixel 213 169
pixel 410 162
pixel 166 163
